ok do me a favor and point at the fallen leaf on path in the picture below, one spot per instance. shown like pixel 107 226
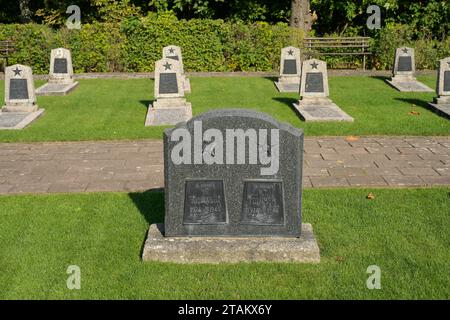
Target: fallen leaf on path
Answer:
pixel 414 113
pixel 351 139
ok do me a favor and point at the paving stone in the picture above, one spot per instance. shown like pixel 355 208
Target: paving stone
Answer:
pixel 362 181
pixel 30 188
pixel 320 182
pixel 66 187
pixel 105 186
pixel 436 180
pixel 346 172
pixel 404 181
pixel 315 172
pixel 443 171
pixel 383 171
pixel 418 172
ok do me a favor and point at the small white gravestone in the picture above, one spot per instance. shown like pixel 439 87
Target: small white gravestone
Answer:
pixel 404 72
pixel 290 70
pixel 442 102
pixel 315 104
pixel 174 53
pixel 20 107
pixel 170 106
pixel 61 80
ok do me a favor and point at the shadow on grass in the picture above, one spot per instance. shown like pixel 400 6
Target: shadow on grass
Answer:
pixel 150 204
pixel 290 102
pixel 146 103
pixel 424 105
pixel 381 78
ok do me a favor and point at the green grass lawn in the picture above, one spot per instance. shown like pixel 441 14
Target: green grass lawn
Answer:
pixel 405 232
pixel 115 109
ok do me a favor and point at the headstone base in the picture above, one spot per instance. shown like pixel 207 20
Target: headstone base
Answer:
pixel 18 120
pixel 321 109
pixel 168 112
pixel 410 85
pixel 186 84
pixel 24 108
pixel 284 86
pixel 56 89
pixel 443 109
pixel 230 250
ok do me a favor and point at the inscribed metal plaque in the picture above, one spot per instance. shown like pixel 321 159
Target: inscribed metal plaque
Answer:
pixel 314 82
pixel 173 57
pixel 447 81
pixel 18 89
pixel 404 64
pixel 168 83
pixel 60 65
pixel 204 202
pixel 290 66
pixel 262 203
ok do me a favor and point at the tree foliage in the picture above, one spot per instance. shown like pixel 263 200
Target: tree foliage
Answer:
pixel 426 18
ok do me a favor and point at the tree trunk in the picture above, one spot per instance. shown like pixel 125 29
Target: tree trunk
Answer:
pixel 301 16
pixel 25 11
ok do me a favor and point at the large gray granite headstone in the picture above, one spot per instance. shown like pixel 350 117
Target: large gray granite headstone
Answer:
pixel 174 53
pixel 170 106
pixel 315 104
pixel 442 101
pixel 233 172
pixel 404 72
pixel 61 80
pixel 290 70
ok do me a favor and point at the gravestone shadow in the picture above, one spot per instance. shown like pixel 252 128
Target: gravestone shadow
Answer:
pixel 146 103
pixel 151 206
pixel 290 102
pixel 424 105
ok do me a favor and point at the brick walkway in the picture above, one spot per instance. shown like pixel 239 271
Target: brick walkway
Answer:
pixel 138 165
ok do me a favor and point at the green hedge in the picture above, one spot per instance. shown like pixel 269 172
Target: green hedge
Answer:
pixel 208 45
pixel 135 45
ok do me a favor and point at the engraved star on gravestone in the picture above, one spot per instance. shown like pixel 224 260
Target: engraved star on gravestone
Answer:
pixel 17 72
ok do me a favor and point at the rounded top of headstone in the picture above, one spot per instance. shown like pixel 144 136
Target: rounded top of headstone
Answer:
pixel 245 114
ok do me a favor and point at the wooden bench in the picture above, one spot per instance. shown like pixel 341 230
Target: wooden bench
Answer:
pixel 339 46
pixel 6 48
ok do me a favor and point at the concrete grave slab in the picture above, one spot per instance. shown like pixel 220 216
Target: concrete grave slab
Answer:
pixel 290 70
pixel 442 101
pixel 404 72
pixel 315 104
pixel 174 53
pixel 170 106
pixel 61 81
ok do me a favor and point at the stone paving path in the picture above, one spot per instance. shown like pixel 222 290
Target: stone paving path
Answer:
pixel 138 165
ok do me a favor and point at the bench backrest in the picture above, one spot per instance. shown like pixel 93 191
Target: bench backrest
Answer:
pixel 350 45
pixel 6 48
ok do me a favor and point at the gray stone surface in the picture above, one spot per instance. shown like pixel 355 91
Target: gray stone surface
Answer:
pixel 170 106
pixel 290 70
pixel 230 250
pixel 19 90
pixel 55 89
pixel 315 105
pixel 174 53
pixel 18 120
pixel 404 72
pixel 135 166
pixel 255 202
pixel 442 102
pixel 61 81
